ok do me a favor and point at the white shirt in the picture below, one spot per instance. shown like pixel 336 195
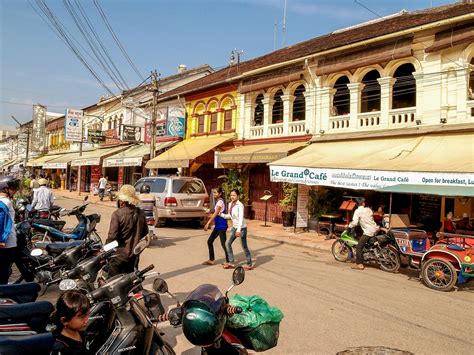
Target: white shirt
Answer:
pixel 43 199
pixel 365 217
pixel 102 183
pixel 236 213
pixel 11 241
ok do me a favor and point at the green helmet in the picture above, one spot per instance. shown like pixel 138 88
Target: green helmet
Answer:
pixel 201 326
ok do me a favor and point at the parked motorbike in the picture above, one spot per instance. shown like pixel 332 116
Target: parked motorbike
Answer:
pixel 19 293
pixel 204 317
pixel 23 212
pixel 381 249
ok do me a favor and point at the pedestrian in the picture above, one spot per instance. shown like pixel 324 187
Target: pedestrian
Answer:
pixel 238 230
pixel 70 318
pixel 8 188
pixel 71 182
pixel 220 226
pixel 127 227
pixel 364 217
pixel 102 186
pixel 33 183
pixel 43 198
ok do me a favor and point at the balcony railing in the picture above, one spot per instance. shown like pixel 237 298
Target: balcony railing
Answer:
pixel 297 127
pixel 275 129
pixel 256 132
pixel 337 123
pixel 402 117
pixel 369 119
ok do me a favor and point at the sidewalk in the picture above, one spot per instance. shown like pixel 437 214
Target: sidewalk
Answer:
pixel 275 232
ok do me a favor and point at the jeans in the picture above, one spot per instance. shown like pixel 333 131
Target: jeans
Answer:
pixel 6 259
pixel 359 249
pixel 243 239
pixel 101 193
pixel 210 243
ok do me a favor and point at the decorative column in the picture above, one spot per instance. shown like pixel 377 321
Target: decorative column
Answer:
pixel 267 113
pixel 192 125
pixel 326 95
pixel 309 109
pixel 233 124
pixel 355 90
pixel 419 80
pixel 462 85
pixel 246 116
pixel 386 91
pixel 288 101
pixel 220 119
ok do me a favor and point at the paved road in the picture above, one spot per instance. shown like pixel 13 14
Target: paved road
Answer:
pixel 328 307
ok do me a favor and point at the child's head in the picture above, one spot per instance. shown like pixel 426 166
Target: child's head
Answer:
pixel 72 311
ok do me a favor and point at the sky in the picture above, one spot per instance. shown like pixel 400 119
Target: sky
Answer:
pixel 37 67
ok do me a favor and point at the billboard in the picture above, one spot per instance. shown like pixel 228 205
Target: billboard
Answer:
pixel 73 125
pixel 175 126
pixel 95 136
pixel 38 134
pixel 131 133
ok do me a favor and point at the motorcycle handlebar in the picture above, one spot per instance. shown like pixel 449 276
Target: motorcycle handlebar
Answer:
pixel 55 281
pixel 145 270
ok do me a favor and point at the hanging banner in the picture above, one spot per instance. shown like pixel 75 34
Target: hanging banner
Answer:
pixel 131 134
pixel 38 134
pixel 73 125
pixel 175 126
pixel 160 130
pixel 365 179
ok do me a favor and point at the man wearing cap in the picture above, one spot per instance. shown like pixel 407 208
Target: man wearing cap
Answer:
pixel 364 217
pixel 127 227
pixel 43 198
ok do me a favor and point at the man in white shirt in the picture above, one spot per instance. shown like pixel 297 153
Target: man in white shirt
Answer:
pixel 364 217
pixel 43 198
pixel 102 186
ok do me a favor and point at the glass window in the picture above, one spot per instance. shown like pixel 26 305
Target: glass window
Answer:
pixel 258 112
pixel 194 186
pixel 227 119
pixel 201 124
pixel 213 121
pixel 299 105
pixel 277 112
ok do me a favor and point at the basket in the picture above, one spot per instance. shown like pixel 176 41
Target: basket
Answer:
pixel 260 338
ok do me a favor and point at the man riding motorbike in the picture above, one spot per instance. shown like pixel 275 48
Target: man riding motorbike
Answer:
pixel 364 217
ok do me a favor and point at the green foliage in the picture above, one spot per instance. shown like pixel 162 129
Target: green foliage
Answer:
pixel 324 201
pixel 289 196
pixel 232 180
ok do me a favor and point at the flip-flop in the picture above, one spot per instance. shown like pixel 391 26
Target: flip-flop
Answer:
pixel 357 267
pixel 208 262
pixel 228 266
pixel 248 267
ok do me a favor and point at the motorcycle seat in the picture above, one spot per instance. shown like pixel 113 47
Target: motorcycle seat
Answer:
pixel 15 289
pixel 58 248
pixel 49 222
pixel 19 345
pixel 25 310
pixel 53 231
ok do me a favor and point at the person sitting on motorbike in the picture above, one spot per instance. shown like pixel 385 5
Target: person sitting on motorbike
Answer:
pixel 127 227
pixel 70 318
pixel 364 217
pixel 43 198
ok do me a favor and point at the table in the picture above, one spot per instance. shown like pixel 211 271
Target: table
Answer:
pixel 330 225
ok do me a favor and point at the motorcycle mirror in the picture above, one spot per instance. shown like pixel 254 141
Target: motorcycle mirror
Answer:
pixel 67 284
pixel 238 276
pixel 160 286
pixel 175 315
pixel 111 245
pixel 36 252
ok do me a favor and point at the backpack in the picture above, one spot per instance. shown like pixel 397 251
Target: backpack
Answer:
pixel 6 223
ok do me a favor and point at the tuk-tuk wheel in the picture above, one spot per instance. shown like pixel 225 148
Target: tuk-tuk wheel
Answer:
pixel 439 274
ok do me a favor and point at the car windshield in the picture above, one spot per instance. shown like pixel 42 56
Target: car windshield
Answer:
pixel 156 185
pixel 194 186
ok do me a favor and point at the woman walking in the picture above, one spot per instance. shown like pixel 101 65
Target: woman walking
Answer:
pixel 239 230
pixel 220 226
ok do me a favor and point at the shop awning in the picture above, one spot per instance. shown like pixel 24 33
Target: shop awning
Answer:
pixel 38 162
pixel 62 161
pixel 133 156
pixel 434 159
pixel 182 153
pixel 7 164
pixel 456 191
pixel 93 157
pixel 258 153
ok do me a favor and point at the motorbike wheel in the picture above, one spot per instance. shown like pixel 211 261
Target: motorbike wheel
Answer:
pixel 439 274
pixel 393 263
pixel 340 251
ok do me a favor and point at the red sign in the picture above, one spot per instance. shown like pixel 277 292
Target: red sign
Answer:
pixel 160 130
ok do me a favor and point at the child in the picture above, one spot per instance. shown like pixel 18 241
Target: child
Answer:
pixel 70 317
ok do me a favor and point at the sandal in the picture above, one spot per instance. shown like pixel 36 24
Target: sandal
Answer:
pixel 358 267
pixel 248 267
pixel 208 262
pixel 228 266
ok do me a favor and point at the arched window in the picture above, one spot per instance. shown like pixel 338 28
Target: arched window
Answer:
pixel 200 120
pixel 404 89
pixel 258 111
pixel 299 105
pixel 371 92
pixel 109 124
pixel 277 111
pixel 342 98
pixel 471 82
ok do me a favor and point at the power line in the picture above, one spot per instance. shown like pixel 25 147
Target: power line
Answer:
pixel 116 40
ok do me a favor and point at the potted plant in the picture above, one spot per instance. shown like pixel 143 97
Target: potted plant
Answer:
pixel 317 205
pixel 288 203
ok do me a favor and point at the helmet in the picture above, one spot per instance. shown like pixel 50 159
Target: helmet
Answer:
pixel 145 189
pixel 9 182
pixel 201 326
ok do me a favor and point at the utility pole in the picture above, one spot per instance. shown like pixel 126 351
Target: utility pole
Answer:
pixel 79 168
pixel 284 27
pixel 155 89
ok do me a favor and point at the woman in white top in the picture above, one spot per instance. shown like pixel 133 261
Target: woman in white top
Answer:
pixel 239 230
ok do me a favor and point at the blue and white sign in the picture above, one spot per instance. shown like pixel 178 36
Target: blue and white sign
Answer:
pixel 73 125
pixel 175 125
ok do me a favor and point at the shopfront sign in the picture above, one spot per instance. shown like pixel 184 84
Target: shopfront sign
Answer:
pixel 73 125
pixel 84 162
pixel 55 166
pixel 131 134
pixel 109 163
pixel 302 206
pixel 175 126
pixel 38 134
pixel 95 136
pixel 256 157
pixel 366 179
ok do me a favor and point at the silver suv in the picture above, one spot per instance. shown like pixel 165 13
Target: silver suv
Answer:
pixel 177 197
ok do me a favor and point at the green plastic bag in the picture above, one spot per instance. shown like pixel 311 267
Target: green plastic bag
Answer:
pixel 258 324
